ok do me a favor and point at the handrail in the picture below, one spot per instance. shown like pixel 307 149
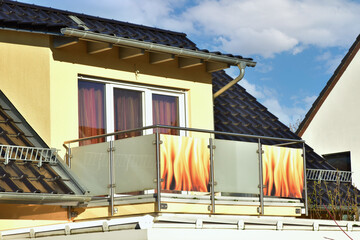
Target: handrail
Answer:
pixel 185 129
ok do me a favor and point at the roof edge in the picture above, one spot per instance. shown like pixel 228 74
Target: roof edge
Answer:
pixel 345 62
pixel 83 34
pixel 92 17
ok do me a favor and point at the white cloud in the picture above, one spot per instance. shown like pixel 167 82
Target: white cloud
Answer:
pixel 330 61
pixel 260 27
pixel 252 89
pixel 296 108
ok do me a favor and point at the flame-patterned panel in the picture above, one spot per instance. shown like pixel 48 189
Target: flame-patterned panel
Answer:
pixel 283 172
pixel 185 163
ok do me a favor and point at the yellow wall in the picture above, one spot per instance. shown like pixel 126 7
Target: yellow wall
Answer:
pixel 42 82
pixel 65 70
pixel 24 77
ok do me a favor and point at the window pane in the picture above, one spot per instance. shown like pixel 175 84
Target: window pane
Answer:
pixel 166 112
pixel 340 161
pixel 91 111
pixel 127 111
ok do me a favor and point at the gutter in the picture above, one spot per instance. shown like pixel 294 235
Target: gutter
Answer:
pixel 234 61
pixel 44 198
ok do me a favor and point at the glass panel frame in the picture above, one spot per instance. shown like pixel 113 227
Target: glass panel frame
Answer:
pixel 236 167
pixel 135 167
pixel 91 165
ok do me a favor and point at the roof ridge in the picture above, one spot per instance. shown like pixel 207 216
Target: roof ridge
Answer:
pixel 95 17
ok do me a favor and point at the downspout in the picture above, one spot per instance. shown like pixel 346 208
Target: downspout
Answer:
pixel 241 67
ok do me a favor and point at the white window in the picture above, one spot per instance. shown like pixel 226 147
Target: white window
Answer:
pixel 121 106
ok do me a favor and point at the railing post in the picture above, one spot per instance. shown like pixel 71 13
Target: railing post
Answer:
pixel 261 185
pixel 69 156
pixel 7 153
pixel 111 174
pixel 305 183
pixel 158 177
pixel 212 175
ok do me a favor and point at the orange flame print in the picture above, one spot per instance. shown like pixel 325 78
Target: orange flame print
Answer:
pixel 185 163
pixel 283 172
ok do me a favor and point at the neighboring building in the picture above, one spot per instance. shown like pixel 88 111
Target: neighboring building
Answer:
pixel 191 161
pixel 332 124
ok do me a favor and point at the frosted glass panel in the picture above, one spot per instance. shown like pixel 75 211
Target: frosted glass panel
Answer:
pixel 135 164
pixel 90 163
pixel 236 167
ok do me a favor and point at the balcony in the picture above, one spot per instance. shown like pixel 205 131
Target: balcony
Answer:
pixel 193 172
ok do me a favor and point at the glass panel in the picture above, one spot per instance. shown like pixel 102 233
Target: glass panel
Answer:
pixel 166 112
pixel 91 111
pixel 283 172
pixel 236 167
pixel 127 111
pixel 91 165
pixel 185 163
pixel 135 164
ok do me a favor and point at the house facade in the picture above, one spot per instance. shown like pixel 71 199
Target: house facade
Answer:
pixel 103 121
pixel 331 125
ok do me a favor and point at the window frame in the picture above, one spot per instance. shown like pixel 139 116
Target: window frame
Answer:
pixel 147 92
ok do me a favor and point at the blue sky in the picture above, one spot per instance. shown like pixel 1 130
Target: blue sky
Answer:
pixel 297 43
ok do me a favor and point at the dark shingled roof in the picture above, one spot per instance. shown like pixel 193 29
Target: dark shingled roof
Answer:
pixel 238 111
pixel 25 176
pixel 28 17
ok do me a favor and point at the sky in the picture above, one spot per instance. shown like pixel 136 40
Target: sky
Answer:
pixel 297 44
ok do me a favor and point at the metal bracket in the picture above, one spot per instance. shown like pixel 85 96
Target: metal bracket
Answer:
pixel 215 183
pixel 262 151
pixel 73 214
pixel 105 227
pixel 32 233
pixel 111 185
pixel 213 146
pixel 67 230
pixel 258 209
pixel 111 149
pixel 163 206
pixel 241 225
pixel 316 226
pixel 160 142
pixel 161 180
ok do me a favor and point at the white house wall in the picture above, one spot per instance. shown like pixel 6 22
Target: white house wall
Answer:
pixel 335 128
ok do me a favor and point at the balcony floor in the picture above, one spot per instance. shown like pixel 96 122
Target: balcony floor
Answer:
pixel 191 203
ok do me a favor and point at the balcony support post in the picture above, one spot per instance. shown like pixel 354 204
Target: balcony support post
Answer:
pixel 212 175
pixel 112 176
pixel 69 156
pixel 158 176
pixel 261 185
pixel 305 183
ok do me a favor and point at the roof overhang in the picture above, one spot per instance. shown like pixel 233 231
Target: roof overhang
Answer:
pixel 102 42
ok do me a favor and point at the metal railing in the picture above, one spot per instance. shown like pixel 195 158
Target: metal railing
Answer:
pixel 328 175
pixel 34 154
pixel 111 136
